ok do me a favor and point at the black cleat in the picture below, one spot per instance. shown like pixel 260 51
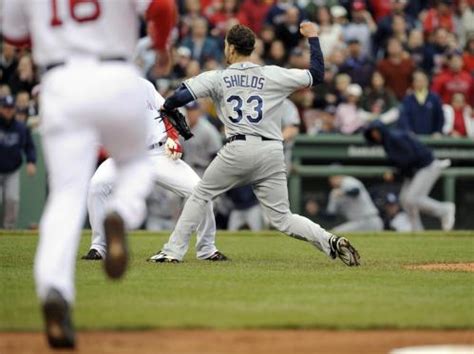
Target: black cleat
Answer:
pixel 92 255
pixel 161 257
pixel 342 248
pixel 217 257
pixel 57 317
pixel 116 246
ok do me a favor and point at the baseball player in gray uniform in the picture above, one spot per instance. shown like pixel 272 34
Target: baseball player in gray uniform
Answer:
pixel 248 98
pixel 350 198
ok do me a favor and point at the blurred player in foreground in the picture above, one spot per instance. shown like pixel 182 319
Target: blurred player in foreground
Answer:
pixel 420 171
pixel 249 98
pixel 169 171
pixel 90 93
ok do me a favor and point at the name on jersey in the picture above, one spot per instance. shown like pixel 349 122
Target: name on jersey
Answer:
pixel 255 82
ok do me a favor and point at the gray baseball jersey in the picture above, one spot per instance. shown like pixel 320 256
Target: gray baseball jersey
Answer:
pixel 249 97
pixel 353 208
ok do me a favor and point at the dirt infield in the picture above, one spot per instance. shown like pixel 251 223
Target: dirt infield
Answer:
pixel 239 341
pixel 457 267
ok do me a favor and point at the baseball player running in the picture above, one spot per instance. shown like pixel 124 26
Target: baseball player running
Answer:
pixel 420 171
pixel 90 92
pixel 169 171
pixel 248 98
pixel 350 198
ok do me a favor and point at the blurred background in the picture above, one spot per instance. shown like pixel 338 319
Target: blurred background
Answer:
pixel 380 56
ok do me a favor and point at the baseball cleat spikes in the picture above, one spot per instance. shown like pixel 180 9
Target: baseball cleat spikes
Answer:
pixel 116 246
pixel 342 248
pixel 57 317
pixel 92 255
pixel 217 257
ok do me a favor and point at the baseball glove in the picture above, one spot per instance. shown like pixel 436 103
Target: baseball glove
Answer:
pixel 178 121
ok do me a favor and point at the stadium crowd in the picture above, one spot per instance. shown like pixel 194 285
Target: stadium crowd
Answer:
pixel 409 64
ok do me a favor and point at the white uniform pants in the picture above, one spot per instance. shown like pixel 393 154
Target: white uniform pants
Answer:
pixel 414 195
pixel 174 175
pixel 83 103
pixel 368 223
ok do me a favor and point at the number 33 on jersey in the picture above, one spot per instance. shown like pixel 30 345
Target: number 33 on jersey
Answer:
pixel 248 96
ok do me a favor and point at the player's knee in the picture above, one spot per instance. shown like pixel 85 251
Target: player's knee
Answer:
pixel 281 222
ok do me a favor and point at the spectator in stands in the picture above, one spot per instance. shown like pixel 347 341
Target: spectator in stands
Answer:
pixel 225 12
pixel 349 198
pixel 325 93
pixel 23 79
pixel 202 46
pixel 468 56
pixel 458 117
pixel 330 33
pixel 289 30
pixel 416 48
pixel 421 111
pixel 192 11
pixel 418 168
pixel 379 100
pixel 246 210
pixel 466 19
pixel 400 29
pixel 441 15
pixel 342 82
pixel 5 90
pixel 350 118
pixel 362 27
pixel 435 51
pixel 397 68
pixel 358 66
pixel 15 141
pixel 183 58
pixel 277 13
pixel 255 10
pixel 8 62
pixel 385 26
pixel 277 54
pixel 202 148
pixel 454 80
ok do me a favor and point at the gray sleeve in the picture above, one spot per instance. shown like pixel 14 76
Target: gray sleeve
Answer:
pixel 292 79
pixel 203 85
pixel 349 183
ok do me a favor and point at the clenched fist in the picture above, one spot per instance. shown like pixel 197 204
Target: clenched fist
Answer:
pixel 309 29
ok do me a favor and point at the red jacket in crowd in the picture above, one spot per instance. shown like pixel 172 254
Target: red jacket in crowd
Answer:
pixel 447 83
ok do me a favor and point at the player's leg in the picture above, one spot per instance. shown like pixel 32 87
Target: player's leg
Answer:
pixel 12 199
pixel 374 223
pixel 70 158
pixel 236 220
pixel 411 209
pixel 272 193
pixel 222 174
pixel 254 218
pixel 417 194
pixel 179 177
pixel 122 123
pixel 100 189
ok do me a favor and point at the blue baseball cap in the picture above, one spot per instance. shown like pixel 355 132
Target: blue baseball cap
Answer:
pixel 7 101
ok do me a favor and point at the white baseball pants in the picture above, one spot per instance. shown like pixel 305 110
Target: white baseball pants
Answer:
pixel 83 103
pixel 174 175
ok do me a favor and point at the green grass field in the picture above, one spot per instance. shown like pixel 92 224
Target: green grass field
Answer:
pixel 272 282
